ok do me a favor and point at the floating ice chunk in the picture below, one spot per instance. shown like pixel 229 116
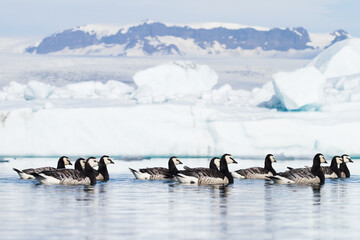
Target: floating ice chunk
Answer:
pixel 176 78
pixel 114 89
pixel 111 89
pixel 341 59
pixel 12 91
pixel 265 93
pixel 37 90
pixel 299 89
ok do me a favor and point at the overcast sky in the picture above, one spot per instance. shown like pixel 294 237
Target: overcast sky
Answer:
pixel 44 17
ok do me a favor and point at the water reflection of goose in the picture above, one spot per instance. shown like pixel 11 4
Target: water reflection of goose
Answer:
pixel 257 172
pixel 70 176
pixel 344 171
pixel 303 175
pixel 212 176
pixel 27 173
pixel 102 173
pixel 158 173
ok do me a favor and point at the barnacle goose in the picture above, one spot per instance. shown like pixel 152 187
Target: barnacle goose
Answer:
pixel 102 173
pixel 70 176
pixel 26 173
pixel 79 164
pixel 212 176
pixel 332 171
pixel 344 171
pixel 158 173
pixel 303 175
pixel 257 172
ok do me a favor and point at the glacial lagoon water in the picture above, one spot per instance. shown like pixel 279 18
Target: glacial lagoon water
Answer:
pixel 126 208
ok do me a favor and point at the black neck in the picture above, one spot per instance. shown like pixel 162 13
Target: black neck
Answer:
pixel 90 173
pixel 316 170
pixel 61 163
pixel 334 167
pixel 268 166
pixel 344 168
pixel 213 165
pixel 78 166
pixel 225 170
pixel 103 171
pixel 172 168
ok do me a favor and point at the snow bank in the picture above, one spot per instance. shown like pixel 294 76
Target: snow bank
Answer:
pixel 302 88
pixel 175 78
pixel 173 129
pixel 35 90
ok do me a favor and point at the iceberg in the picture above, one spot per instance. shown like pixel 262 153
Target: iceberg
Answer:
pixel 176 78
pixel 333 77
pixel 302 88
pixel 340 59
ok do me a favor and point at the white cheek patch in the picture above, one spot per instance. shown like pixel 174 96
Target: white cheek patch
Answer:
pixel 229 159
pixel 93 163
pixel 338 160
pixel 176 161
pixel 322 159
pixel 217 162
pixel 272 159
pixel 107 161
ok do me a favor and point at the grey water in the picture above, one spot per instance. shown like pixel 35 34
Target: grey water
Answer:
pixel 128 208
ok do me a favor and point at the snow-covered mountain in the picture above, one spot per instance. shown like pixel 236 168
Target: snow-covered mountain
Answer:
pixel 155 38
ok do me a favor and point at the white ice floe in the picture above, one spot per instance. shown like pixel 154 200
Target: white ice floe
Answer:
pixel 176 78
pixel 300 89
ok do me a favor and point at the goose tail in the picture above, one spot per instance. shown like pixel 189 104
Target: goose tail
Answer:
pixel 23 175
pixel 139 175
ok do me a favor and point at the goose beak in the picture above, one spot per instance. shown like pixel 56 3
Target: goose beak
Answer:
pixel 234 161
pixel 180 162
pixel 70 163
pixel 111 161
pixel 351 160
pixel 325 161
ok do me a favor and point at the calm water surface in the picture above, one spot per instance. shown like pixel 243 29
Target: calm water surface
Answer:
pixel 134 209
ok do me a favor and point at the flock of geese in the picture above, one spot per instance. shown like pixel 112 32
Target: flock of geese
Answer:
pixel 217 173
pixel 83 173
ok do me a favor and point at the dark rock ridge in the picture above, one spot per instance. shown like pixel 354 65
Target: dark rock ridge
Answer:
pixel 143 35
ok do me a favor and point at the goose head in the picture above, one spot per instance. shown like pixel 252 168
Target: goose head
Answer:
pixel 105 160
pixel 80 164
pixel 337 160
pixel 66 160
pixel 346 158
pixel 175 160
pixel 229 159
pixel 215 161
pixel 270 158
pixel 93 162
pixel 318 159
